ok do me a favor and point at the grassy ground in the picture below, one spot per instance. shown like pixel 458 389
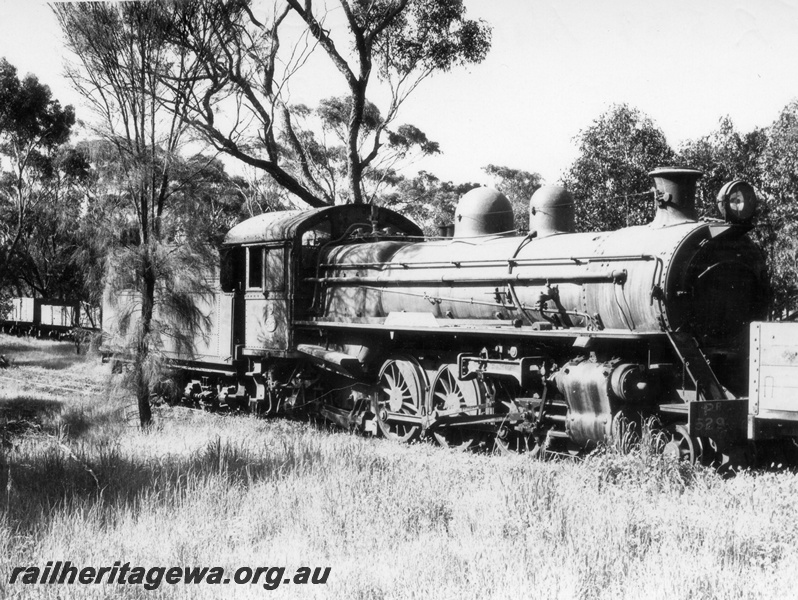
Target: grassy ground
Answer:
pixel 79 482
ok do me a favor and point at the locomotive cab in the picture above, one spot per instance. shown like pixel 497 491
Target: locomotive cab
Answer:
pixel 268 264
pixel 254 275
pixel 255 260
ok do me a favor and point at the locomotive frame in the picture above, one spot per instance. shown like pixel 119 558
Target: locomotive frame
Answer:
pixel 551 342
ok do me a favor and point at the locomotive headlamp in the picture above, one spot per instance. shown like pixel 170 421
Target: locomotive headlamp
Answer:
pixel 737 201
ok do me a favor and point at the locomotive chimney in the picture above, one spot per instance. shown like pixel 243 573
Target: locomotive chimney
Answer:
pixel 675 195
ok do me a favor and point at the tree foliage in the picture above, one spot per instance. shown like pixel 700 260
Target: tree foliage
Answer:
pixel 778 230
pixel 427 200
pixel 322 133
pixel 609 179
pixel 33 128
pixel 518 185
pixel 206 202
pixel 244 55
pixel 723 155
pixel 46 260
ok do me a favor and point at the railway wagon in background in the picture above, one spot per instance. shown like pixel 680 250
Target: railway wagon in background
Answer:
pixel 41 317
pixel 21 316
pixel 552 341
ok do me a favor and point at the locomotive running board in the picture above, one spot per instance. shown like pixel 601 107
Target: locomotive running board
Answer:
pixel 485 328
pixel 696 367
pixel 342 363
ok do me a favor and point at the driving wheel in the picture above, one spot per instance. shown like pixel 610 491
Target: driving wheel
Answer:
pixel 402 386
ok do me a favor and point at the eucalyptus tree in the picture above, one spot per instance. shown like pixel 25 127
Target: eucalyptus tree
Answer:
pixel 427 200
pixel 518 185
pixel 321 134
pixel 609 178
pixel 779 229
pixel 723 155
pixel 246 58
pixel 33 128
pixel 45 261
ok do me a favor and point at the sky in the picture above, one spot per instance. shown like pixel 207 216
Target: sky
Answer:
pixel 554 67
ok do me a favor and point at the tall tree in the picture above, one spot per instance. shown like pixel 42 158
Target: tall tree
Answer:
pixel 609 179
pixel 44 262
pixel 33 126
pixel 723 155
pixel 322 134
pixel 779 230
pixel 245 57
pixel 121 60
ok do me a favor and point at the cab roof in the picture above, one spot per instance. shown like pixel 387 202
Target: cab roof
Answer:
pixel 291 224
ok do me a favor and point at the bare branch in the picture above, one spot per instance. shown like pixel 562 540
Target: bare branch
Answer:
pixel 324 40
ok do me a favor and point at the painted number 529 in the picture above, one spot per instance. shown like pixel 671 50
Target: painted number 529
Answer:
pixel 709 423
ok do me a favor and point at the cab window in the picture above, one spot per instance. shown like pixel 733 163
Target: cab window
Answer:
pixel 254 268
pixel 275 270
pixel 232 269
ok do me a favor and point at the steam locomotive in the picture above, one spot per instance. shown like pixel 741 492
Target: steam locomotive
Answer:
pixel 552 341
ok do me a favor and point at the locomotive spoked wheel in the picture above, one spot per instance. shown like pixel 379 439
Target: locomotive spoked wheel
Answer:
pixel 449 394
pixel 681 446
pixel 402 385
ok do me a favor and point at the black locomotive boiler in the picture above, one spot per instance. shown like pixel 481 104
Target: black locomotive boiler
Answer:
pixel 547 341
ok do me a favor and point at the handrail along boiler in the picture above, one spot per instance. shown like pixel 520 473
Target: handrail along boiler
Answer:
pixel 551 340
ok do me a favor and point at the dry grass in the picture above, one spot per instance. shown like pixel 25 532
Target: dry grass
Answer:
pixel 81 483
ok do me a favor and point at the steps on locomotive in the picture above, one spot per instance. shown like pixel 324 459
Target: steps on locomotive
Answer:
pixel 705 384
